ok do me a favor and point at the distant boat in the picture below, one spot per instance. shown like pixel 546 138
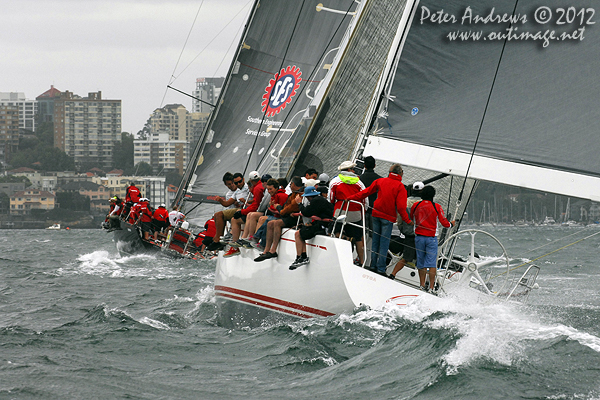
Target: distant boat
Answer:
pixel 54 227
pixel 549 221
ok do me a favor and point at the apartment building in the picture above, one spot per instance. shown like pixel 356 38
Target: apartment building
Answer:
pixel 162 153
pixel 207 90
pixel 179 124
pixel 87 128
pixel 9 132
pixel 27 109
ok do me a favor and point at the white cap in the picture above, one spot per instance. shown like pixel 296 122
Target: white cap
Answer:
pixel 346 165
pixel 144 199
pixel 163 205
pixel 253 175
pixel 418 186
pixel 311 182
pixel 324 177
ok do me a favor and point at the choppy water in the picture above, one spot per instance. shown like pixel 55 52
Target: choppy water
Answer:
pixel 78 321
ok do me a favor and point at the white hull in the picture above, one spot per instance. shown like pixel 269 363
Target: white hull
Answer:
pixel 331 284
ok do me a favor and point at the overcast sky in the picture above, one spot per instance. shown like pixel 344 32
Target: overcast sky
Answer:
pixel 128 49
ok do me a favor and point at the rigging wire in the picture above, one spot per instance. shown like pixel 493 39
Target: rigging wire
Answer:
pixel 487 103
pixel 229 48
pixel 547 254
pixel 171 80
pixel 210 42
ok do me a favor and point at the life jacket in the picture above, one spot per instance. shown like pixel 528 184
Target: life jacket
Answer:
pixel 145 213
pixel 161 214
pixel 134 213
pixel 133 194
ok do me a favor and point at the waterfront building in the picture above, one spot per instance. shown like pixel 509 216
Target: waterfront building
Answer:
pixel 97 194
pixel 21 203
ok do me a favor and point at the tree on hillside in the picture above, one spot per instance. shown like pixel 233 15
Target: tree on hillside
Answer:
pixel 123 153
pixel 172 178
pixel 144 133
pixel 41 149
pixel 73 201
pixel 15 179
pixel 143 169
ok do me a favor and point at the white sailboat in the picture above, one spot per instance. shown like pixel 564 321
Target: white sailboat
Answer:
pixel 400 91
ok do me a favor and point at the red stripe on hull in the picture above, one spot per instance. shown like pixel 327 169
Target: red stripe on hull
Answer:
pixel 267 299
pixel 256 303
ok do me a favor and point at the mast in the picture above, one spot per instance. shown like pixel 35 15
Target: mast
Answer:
pixel 199 148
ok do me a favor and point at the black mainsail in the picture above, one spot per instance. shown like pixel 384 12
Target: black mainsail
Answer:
pixel 285 53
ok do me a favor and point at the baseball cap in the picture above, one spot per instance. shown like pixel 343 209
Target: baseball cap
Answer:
pixel 265 177
pixel 418 186
pixel 253 175
pixel 346 165
pixel 310 191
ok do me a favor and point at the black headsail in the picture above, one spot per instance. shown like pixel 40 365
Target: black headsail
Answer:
pixel 501 91
pixel 285 53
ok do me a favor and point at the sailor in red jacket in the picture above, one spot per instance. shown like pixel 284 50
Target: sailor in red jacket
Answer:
pixel 160 220
pixel 132 194
pixel 346 184
pixel 145 217
pixel 391 199
pixel 426 214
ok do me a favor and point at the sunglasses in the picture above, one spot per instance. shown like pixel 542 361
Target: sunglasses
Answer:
pixel 238 182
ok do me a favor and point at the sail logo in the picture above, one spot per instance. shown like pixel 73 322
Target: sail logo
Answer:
pixel 281 89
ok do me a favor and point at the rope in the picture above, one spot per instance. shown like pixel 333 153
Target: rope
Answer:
pixel 547 254
pixel 485 111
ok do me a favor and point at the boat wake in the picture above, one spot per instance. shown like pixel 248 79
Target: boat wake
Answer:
pixel 450 333
pixel 104 263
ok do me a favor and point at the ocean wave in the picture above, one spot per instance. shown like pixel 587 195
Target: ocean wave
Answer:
pixel 104 263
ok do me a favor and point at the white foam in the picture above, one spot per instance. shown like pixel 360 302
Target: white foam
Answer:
pixel 154 323
pixel 496 331
pixel 103 263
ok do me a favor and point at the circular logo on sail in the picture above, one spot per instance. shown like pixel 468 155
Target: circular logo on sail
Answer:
pixel 280 90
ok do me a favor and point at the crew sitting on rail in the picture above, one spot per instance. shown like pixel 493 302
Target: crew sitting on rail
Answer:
pixel 253 217
pixel 240 216
pixel 277 199
pixel 234 203
pixel 285 220
pixel 321 212
pixel 116 207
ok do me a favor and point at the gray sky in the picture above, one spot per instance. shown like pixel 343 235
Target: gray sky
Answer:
pixel 128 49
